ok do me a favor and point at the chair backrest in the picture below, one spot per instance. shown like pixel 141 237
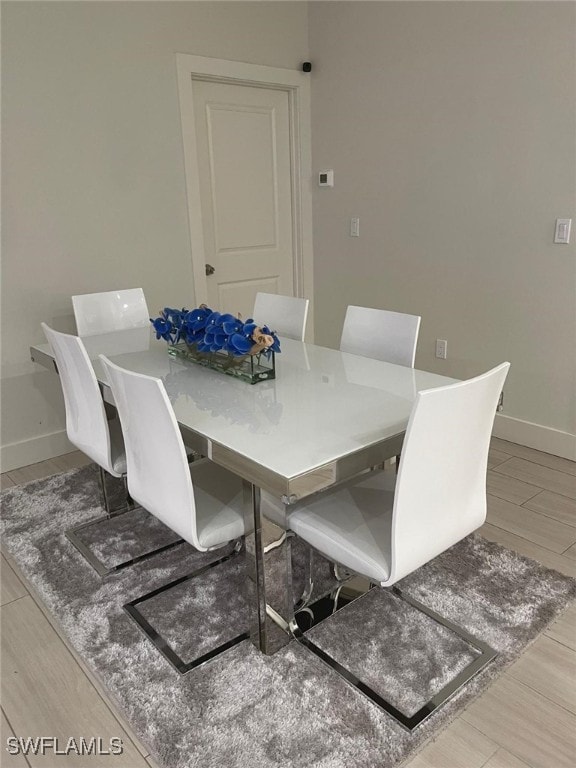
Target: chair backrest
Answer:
pixel 440 494
pixel 284 314
pixel 110 311
pixel 157 467
pixel 380 334
pixel 86 423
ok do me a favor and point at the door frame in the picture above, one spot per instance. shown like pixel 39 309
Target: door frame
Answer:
pixel 297 86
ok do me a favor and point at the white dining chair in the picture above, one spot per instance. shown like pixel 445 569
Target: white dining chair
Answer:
pixel 201 502
pixel 380 334
pixel 110 311
pixel 86 424
pixel 286 315
pixel 88 428
pixel 386 525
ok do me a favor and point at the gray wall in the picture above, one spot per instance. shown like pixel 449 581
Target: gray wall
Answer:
pixel 94 192
pixel 450 127
pixel 451 130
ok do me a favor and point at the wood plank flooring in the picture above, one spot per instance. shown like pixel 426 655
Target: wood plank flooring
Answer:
pixel 526 719
pixel 46 689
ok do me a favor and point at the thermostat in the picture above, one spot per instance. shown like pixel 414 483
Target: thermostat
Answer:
pixel 326 179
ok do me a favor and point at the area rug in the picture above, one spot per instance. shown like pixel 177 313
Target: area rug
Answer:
pixel 290 710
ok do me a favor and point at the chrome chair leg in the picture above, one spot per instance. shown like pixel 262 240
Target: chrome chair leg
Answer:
pixel 160 642
pixel 346 591
pixel 105 496
pixel 74 537
pixel 341 574
pixel 104 491
pixel 129 500
pixel 486 655
pixel 309 583
pixel 74 534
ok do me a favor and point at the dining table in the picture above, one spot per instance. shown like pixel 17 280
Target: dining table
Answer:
pixel 325 418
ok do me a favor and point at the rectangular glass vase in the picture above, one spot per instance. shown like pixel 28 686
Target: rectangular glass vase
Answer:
pixel 250 368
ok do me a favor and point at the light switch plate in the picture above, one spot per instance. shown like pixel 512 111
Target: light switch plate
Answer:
pixel 441 349
pixel 562 231
pixel 326 179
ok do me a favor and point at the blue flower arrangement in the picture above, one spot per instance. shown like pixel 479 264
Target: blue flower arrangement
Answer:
pixel 210 331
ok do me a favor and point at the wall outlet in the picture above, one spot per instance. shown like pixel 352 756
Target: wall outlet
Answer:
pixel 441 349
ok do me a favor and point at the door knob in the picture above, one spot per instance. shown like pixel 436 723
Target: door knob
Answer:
pixel 209 269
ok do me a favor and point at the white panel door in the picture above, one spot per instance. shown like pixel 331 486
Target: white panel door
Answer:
pixel 244 169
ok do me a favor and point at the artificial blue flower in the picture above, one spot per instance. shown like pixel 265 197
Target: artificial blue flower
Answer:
pixel 174 316
pixel 196 319
pixel 239 344
pixel 215 339
pixel 216 336
pixel 193 337
pixel 276 346
pixel 212 320
pixel 249 328
pixel 194 324
pixel 231 324
pixel 163 328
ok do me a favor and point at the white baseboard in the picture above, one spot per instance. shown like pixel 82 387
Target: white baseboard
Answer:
pixel 33 450
pixel 535 436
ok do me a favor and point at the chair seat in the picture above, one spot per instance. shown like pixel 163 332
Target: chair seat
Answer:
pixel 219 503
pixel 117 450
pixel 351 524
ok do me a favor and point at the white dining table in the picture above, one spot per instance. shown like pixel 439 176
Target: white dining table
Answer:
pixel 326 417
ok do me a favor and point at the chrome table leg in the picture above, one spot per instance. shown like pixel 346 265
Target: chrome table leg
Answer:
pixel 269 575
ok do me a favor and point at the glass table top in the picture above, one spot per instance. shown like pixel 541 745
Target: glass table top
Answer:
pixel 323 404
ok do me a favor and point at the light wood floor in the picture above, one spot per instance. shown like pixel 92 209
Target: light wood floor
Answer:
pixel 527 718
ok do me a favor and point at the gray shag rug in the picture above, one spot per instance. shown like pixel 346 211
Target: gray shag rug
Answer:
pixel 244 709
